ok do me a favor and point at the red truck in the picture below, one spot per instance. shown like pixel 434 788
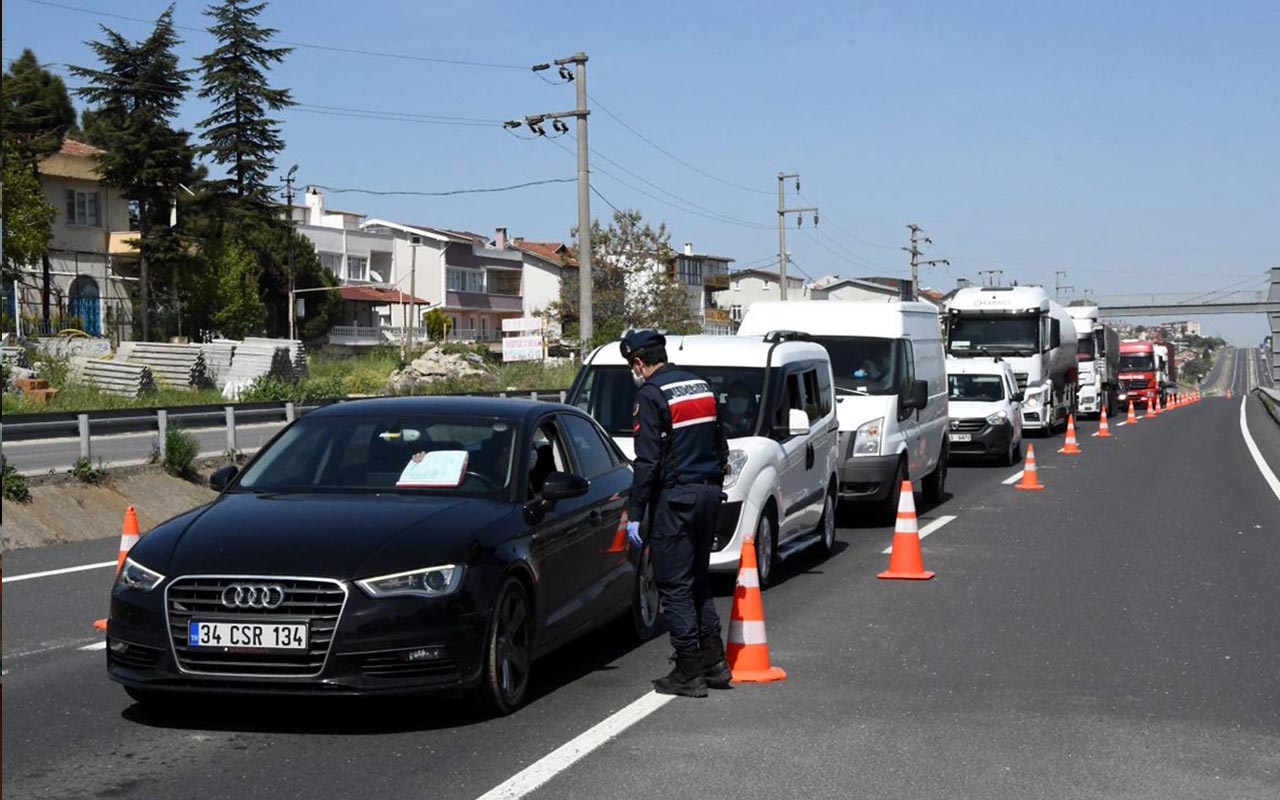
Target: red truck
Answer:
pixel 1147 369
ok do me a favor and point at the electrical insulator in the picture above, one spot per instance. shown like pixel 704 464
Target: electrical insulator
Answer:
pixel 799 220
pixel 815 219
pixel 797 186
pixel 565 74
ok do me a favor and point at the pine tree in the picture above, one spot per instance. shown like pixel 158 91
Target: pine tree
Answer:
pixel 239 133
pixel 36 116
pixel 137 93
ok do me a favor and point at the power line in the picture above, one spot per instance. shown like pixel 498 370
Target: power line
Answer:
pixel 597 193
pixel 843 257
pixel 300 45
pixel 671 155
pixel 384 118
pixel 450 193
pixel 827 218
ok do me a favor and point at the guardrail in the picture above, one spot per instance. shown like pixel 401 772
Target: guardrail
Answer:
pixel 85 425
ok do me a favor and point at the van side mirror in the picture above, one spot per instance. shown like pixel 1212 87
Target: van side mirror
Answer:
pixel 918 397
pixel 220 479
pixel 797 422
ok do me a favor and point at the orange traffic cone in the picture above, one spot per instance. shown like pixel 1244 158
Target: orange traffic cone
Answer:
pixel 1029 482
pixel 1104 431
pixel 748 651
pixel 905 562
pixel 1151 408
pixel 128 538
pixel 1228 394
pixel 1071 448
pixel 619 544
pixel 1132 418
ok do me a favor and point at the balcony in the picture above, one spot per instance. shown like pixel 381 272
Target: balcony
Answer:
pixel 476 301
pixel 372 335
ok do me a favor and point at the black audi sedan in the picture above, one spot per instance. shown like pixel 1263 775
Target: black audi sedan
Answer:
pixel 399 545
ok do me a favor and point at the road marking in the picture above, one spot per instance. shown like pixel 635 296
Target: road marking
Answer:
pixel 1014 478
pixel 1263 466
pixel 96 646
pixel 927 529
pixel 1122 424
pixel 50 572
pixel 567 754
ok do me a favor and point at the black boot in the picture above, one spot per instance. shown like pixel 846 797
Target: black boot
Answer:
pixel 685 680
pixel 714 668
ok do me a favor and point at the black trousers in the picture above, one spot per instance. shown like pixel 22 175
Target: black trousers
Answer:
pixel 684 524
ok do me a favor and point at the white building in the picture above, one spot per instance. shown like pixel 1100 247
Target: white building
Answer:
pixel 749 286
pixel 833 287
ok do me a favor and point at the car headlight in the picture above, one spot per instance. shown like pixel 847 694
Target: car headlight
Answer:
pixel 866 441
pixel 429 582
pixel 137 577
pixel 737 460
pixel 998 418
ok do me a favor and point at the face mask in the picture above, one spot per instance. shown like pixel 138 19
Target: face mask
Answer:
pixel 737 405
pixel 638 379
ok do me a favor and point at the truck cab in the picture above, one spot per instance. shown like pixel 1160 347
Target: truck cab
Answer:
pixel 1097 355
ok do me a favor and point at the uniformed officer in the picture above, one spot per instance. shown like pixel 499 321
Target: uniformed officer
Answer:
pixel 681 455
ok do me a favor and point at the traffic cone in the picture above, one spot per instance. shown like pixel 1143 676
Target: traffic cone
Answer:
pixel 1228 394
pixel 1104 431
pixel 128 538
pixel 905 562
pixel 748 651
pixel 619 544
pixel 1029 482
pixel 1129 420
pixel 1071 448
pixel 1151 408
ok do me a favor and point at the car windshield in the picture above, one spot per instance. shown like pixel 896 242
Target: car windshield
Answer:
pixel 608 394
pixel 862 365
pixel 994 335
pixel 1084 348
pixel 377 453
pixel 979 388
pixel 1137 362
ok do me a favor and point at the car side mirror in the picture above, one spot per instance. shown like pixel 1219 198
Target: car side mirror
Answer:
pixel 563 486
pixel 797 422
pixel 919 396
pixel 220 479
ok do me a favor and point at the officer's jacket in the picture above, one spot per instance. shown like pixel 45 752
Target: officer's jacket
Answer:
pixel 678 437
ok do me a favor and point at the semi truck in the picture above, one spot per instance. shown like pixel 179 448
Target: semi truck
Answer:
pixel 1097 358
pixel 1023 326
pixel 1147 370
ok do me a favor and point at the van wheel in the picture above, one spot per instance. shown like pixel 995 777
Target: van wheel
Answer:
pixel 888 511
pixel 827 526
pixel 1015 452
pixel 766 550
pixel 935 483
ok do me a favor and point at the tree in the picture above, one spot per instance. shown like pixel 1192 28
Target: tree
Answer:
pixel 36 116
pixel 240 134
pixel 239 310
pixel 137 93
pixel 630 285
pixel 436 322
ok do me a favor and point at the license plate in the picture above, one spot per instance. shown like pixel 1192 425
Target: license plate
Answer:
pixel 248 635
pixel 961 437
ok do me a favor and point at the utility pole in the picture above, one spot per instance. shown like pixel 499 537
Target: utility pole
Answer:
pixel 580 112
pixel 414 240
pixel 783 211
pixel 1058 275
pixel 913 292
pixel 989 276
pixel 288 201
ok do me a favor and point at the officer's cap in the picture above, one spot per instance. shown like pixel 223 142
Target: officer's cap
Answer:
pixel 634 341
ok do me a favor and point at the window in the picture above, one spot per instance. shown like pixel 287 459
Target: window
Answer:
pixel 735 313
pixel 464 280
pixel 332 262
pixel 594 458
pixel 608 395
pixel 135 215
pixel 735 286
pixel 82 208
pixel 504 282
pixel 357 267
pixel 793 397
pixel 484 326
pixel 689 271
pixel 547 456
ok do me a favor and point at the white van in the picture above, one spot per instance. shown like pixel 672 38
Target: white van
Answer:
pixel 777 404
pixel 986 409
pixel 891 390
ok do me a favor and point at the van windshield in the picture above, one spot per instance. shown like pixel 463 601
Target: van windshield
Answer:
pixel 608 394
pixel 862 365
pixel 977 388
pixel 994 335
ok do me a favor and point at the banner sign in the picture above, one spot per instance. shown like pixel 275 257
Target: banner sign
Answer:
pixel 522 348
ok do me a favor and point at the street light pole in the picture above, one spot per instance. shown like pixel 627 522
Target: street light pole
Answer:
pixel 288 201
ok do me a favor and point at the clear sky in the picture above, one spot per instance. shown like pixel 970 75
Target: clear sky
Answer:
pixel 1135 145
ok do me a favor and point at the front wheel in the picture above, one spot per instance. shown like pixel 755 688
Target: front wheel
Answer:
pixel 766 545
pixel 508 651
pixel 827 526
pixel 888 507
pixel 935 483
pixel 1015 452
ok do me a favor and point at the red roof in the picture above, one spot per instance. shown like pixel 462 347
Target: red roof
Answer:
pixel 553 252
pixel 70 147
pixel 371 294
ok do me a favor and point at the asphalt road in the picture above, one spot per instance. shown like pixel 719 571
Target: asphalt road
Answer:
pixel 1116 635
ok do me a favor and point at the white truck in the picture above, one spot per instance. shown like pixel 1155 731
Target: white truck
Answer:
pixel 1033 333
pixel 1098 359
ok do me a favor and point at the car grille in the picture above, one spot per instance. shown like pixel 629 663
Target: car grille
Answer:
pixel 1021 379
pixel 137 656
pixel 317 602
pixel 1135 386
pixel 968 425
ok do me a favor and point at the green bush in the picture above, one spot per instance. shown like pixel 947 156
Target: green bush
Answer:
pixel 271 390
pixel 15 486
pixel 83 469
pixel 180 451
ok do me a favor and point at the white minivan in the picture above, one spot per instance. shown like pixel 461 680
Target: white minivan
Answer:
pixel 985 408
pixel 891 390
pixel 777 403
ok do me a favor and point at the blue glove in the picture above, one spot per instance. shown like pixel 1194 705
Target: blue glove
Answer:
pixel 633 535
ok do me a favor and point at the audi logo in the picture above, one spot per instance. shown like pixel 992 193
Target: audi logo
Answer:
pixel 253 595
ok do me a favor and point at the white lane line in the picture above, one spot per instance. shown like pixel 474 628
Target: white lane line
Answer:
pixel 50 572
pixel 928 529
pixel 567 754
pixel 95 646
pixel 1014 478
pixel 1263 466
